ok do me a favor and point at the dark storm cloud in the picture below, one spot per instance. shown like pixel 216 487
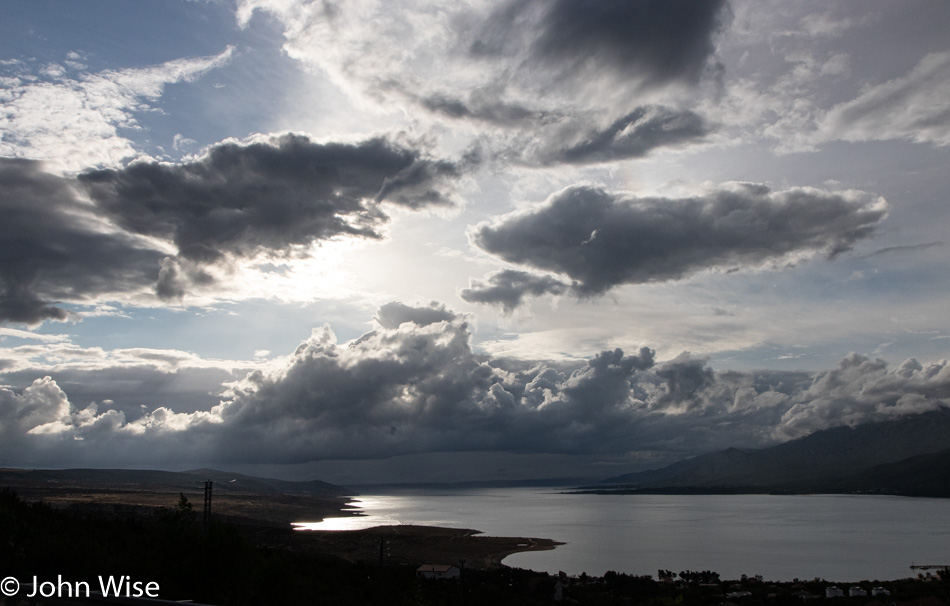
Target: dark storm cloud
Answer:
pixel 54 247
pixel 394 314
pixel 236 201
pixel 602 240
pixel 910 248
pixel 681 381
pixel 176 276
pixel 242 199
pixel 423 183
pixel 632 136
pixel 552 56
pixel 483 107
pixel 653 42
pixel 415 385
pixel 547 138
pixel 421 388
pixel 606 380
pixel 509 287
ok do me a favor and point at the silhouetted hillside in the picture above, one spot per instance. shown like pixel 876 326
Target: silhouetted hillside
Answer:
pixel 136 492
pixel 926 475
pixel 224 480
pixel 854 458
pixel 162 481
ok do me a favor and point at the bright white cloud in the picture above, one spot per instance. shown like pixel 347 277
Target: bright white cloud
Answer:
pixel 862 390
pixel 41 403
pixel 73 121
pixel 60 355
pixel 31 336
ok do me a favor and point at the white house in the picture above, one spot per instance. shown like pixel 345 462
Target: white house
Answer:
pixel 833 592
pixel 857 592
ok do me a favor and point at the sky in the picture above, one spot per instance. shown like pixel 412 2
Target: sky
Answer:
pixel 419 240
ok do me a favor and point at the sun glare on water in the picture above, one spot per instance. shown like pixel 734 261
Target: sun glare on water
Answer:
pixel 351 522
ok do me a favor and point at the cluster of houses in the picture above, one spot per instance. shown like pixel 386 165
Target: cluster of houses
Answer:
pixel 449 571
pixel 854 592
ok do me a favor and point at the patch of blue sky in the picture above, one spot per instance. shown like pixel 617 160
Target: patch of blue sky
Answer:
pixel 109 35
pixel 228 331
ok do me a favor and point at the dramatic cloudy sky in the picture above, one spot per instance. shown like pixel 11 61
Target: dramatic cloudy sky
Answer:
pixel 490 239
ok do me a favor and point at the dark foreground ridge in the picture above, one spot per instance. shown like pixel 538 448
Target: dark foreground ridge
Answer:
pixel 228 564
pixel 262 506
pixel 127 492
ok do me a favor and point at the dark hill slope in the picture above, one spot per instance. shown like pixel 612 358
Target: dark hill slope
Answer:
pixel 836 453
pixel 149 480
pixel 926 475
pixel 136 492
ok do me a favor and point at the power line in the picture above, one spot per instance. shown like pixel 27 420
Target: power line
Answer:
pixel 207 511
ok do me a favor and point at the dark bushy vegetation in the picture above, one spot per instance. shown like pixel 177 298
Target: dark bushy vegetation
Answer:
pixel 224 566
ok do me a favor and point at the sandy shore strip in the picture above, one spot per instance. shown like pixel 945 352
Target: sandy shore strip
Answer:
pixel 410 544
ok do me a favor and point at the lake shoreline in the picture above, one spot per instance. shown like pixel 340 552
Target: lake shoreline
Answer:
pixel 739 490
pixel 781 537
pixel 415 545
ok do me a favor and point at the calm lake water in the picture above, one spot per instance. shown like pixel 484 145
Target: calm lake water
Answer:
pixel 835 537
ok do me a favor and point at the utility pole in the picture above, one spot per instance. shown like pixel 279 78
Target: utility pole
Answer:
pixel 207 516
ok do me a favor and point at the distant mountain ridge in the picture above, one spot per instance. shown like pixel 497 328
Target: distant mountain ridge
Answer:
pixel 471 484
pixel 875 457
pixel 169 481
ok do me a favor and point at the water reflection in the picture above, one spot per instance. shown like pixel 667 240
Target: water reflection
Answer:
pixel 357 521
pixel 846 538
